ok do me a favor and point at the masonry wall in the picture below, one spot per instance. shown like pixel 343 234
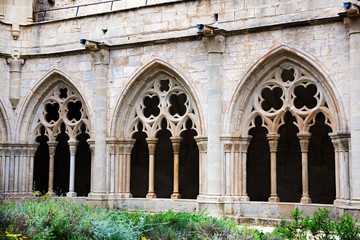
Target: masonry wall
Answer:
pixel 166 31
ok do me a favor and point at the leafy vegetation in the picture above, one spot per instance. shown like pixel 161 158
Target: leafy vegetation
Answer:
pixel 61 218
pixel 320 226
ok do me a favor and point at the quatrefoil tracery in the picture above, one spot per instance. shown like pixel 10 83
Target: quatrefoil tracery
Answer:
pixel 289 88
pixel 62 107
pixel 163 99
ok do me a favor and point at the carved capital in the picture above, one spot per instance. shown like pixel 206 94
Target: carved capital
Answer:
pixel 176 143
pixel 202 143
pixel 353 24
pixel 244 143
pixel 15 62
pixel 151 145
pixel 32 149
pixel 52 147
pixel 72 146
pixel 214 44
pixel 304 138
pixel 101 57
pixel 340 141
pixel 273 139
pixel 91 143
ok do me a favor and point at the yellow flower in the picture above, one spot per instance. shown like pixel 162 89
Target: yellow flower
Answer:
pixel 143 238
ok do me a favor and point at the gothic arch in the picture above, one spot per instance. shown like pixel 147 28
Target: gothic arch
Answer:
pixel 28 122
pixel 5 133
pixel 237 118
pixel 155 69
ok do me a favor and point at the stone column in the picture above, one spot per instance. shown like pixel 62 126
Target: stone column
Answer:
pixel 244 145
pixel 176 143
pixel 72 145
pixel 151 145
pixel 7 168
pixel 17 169
pixel 25 169
pixel 128 149
pixel 353 24
pixel 101 61
pixel 15 64
pixel 32 151
pixel 91 143
pixel 340 142
pixel 2 167
pixel 304 138
pixel 112 152
pixel 273 139
pixel 52 148
pixel 215 47
pixel 228 174
pixel 30 10
pixel 119 172
pixel 202 145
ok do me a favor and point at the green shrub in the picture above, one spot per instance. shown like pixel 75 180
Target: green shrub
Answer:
pixel 320 226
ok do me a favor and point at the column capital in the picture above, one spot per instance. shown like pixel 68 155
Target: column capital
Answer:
pixel 15 62
pixel 99 52
pixel 214 44
pixel 202 143
pixel 151 145
pixel 353 24
pixel 273 141
pixel 304 138
pixel 72 146
pixel 91 143
pixel 176 142
pixel 52 147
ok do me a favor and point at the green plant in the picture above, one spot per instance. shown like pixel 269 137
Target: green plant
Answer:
pixel 346 229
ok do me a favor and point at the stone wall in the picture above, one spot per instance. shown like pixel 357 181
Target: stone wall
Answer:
pixel 164 35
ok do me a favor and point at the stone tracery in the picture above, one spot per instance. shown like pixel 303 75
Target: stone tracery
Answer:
pixel 163 98
pixel 164 106
pixel 289 89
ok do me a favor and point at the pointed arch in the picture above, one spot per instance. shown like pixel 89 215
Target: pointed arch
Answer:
pixel 129 95
pixel 5 132
pixel 234 118
pixel 29 112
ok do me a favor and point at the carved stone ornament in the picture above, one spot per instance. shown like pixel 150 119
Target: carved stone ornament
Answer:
pixel 163 99
pixel 62 107
pixel 289 88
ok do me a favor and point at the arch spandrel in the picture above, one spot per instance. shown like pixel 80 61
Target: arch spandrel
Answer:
pixel 47 92
pixel 238 116
pixel 147 81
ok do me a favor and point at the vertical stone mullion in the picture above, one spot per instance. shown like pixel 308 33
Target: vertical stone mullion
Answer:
pixel 176 142
pixel 2 168
pixel 31 154
pixel 25 169
pixel 121 169
pixel 73 146
pixel 304 138
pixel 52 148
pixel 152 146
pixel 91 143
pixel 245 141
pixel 111 166
pixel 273 139
pixel 17 169
pixel 129 147
pixel 7 168
pixel 202 146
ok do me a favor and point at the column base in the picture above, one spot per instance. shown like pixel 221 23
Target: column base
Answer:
pixel 244 198
pixel 127 195
pixel 305 199
pixel 274 198
pixel 175 196
pixel 71 194
pixel 151 195
pixel 52 194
